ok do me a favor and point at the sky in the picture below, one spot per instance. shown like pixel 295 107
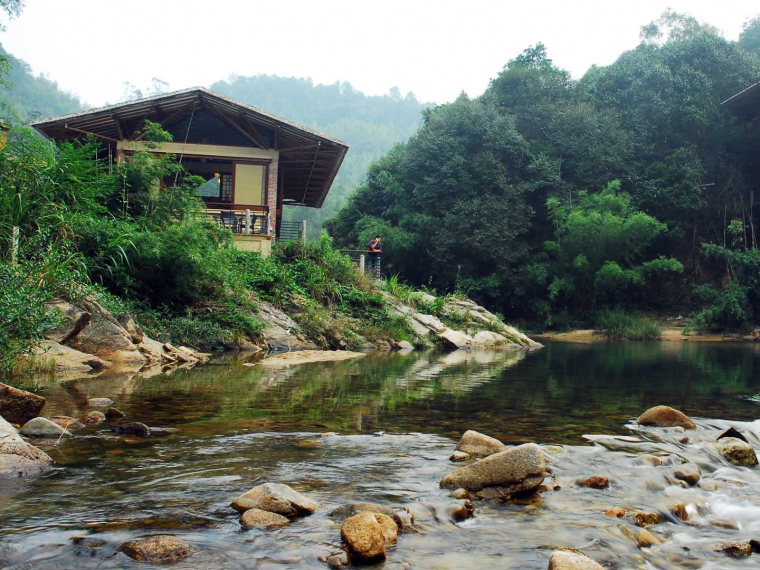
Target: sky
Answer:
pixel 435 49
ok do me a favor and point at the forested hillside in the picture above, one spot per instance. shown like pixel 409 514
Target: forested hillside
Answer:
pixel 553 199
pixel 25 97
pixel 370 124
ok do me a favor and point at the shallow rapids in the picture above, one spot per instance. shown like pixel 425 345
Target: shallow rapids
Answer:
pixel 396 420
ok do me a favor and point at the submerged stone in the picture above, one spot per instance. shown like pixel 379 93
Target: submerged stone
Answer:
pixel 256 518
pixel 688 472
pixel 94 418
pixel 157 549
pixel 133 428
pixel 595 482
pixel 563 560
pixel 67 422
pixel 735 549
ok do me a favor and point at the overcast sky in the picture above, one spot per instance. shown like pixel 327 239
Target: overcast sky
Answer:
pixel 436 49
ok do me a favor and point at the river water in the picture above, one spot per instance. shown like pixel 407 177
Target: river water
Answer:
pixel 397 419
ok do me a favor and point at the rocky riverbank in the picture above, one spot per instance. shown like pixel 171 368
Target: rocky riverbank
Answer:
pixel 89 339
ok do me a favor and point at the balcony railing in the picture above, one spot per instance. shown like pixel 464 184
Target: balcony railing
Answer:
pixel 365 260
pixel 244 222
pixel 292 230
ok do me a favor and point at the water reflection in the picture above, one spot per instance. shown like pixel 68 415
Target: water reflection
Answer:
pixel 240 425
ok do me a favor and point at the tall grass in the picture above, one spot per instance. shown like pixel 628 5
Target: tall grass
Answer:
pixel 619 325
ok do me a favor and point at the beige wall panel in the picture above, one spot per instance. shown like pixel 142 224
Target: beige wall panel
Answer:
pixel 249 184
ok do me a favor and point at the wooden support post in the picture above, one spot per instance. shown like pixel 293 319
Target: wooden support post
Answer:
pixel 248 221
pixel 14 245
pixel 362 263
pixel 302 232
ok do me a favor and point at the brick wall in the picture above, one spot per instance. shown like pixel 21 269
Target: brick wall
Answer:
pixel 272 195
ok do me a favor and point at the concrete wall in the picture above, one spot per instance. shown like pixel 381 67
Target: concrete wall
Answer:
pixel 258 244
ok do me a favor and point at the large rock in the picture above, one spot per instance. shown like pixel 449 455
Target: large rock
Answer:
pixel 256 518
pixel 562 560
pixel 513 471
pixel 456 339
pixel 367 534
pixel 737 451
pixel 18 406
pixel 665 416
pixel 67 359
pixel 103 336
pixel 17 457
pixel 280 331
pixel 157 549
pixel 488 338
pixel 133 329
pixel 71 321
pixel 43 427
pixel 275 498
pixel 477 444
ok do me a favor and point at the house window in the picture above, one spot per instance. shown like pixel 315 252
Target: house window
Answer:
pixel 218 188
pixel 217 176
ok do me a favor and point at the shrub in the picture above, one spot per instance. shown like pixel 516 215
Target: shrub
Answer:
pixel 618 325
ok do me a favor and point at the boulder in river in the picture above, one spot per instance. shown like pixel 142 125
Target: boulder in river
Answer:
pixel 644 519
pixel 43 427
pixel 67 422
pixel 689 472
pixel 275 498
pixel 737 452
pixel 477 444
pixel 133 428
pixel 595 482
pixel 735 549
pixel 157 549
pixel 513 471
pixel 94 418
pixel 17 457
pixel 19 406
pixel 731 432
pixel 256 518
pixel 665 416
pixel 99 402
pixel 367 534
pixel 563 560
pixel 114 414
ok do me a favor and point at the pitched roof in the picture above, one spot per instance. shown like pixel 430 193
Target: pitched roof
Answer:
pixel 745 104
pixel 309 160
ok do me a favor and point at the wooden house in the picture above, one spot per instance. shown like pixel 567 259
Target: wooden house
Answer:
pixel 254 163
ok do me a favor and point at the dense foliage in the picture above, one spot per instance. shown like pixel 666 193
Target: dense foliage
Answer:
pixel 74 224
pixel 553 200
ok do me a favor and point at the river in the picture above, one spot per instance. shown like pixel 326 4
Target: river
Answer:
pixel 396 420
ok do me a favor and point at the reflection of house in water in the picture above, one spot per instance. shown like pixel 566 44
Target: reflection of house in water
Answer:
pixel 253 163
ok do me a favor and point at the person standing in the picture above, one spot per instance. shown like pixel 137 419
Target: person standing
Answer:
pixel 375 251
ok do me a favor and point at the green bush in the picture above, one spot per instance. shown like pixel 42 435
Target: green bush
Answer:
pixel 619 325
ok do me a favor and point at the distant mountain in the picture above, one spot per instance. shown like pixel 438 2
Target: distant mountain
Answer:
pixel 370 124
pixel 25 97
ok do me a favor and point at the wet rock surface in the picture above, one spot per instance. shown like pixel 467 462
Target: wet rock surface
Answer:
pixel 43 427
pixel 19 406
pixel 513 471
pixel 157 549
pixel 595 482
pixel 665 416
pixel 367 535
pixel 275 498
pixel 133 428
pixel 256 518
pixel 476 444
pixel 93 418
pixel 562 560
pixel 737 451
pixel 17 457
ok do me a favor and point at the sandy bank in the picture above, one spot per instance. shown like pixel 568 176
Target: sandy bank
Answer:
pixel 668 335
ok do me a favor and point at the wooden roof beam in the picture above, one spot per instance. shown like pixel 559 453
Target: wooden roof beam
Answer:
pixel 254 133
pixel 231 124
